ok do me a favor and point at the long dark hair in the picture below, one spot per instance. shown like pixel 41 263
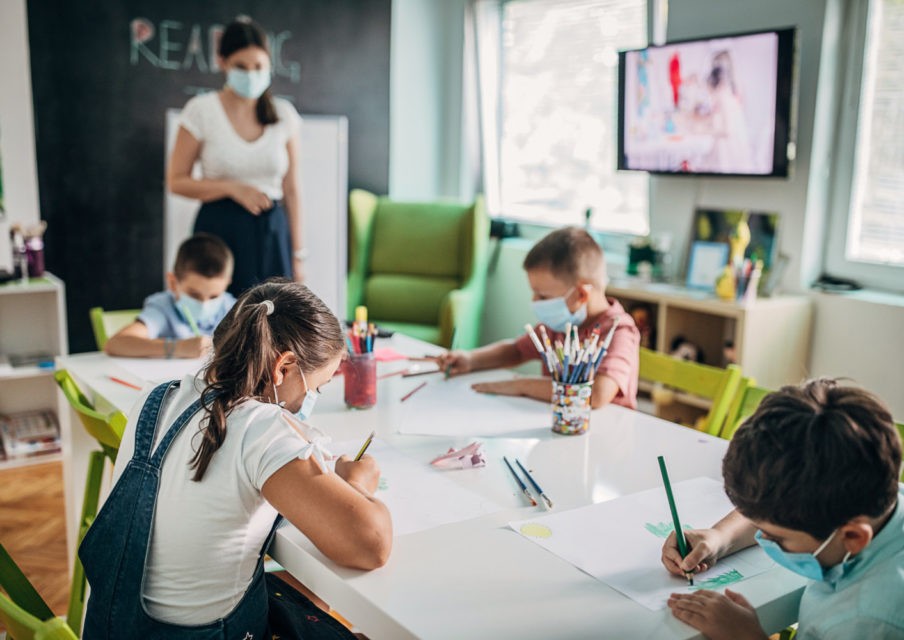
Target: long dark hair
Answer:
pixel 247 343
pixel 241 33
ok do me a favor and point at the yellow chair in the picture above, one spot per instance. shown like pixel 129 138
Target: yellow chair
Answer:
pixel 107 430
pixel 108 323
pixel 746 400
pixel 711 383
pixel 23 611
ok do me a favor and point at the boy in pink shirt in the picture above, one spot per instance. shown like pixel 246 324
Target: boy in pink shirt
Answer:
pixel 567 274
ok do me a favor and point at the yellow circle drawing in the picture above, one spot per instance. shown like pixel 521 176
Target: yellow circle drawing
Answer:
pixel 536 530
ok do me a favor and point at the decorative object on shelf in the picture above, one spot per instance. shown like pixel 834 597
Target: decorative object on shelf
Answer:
pixel 708 260
pixel 29 433
pixel 645 320
pixel 647 257
pixel 28 250
pixel 684 349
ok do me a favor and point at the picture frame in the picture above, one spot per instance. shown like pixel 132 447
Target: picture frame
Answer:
pixel 706 262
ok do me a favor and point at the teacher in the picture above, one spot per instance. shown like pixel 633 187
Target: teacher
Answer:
pixel 248 145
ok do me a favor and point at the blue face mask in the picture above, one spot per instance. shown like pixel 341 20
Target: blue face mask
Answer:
pixel 307 405
pixel 555 314
pixel 804 564
pixel 203 314
pixel 248 84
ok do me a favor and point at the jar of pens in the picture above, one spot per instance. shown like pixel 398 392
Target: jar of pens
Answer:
pixel 572 362
pixel 360 369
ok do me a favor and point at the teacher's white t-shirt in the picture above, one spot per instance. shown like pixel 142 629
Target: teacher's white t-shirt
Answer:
pixel 225 155
pixel 207 535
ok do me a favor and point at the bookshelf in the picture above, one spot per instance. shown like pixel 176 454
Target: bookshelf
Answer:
pixel 771 336
pixel 32 321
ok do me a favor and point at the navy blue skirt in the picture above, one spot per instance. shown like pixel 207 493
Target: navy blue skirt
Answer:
pixel 261 245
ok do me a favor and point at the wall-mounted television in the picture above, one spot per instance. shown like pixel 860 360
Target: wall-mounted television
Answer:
pixel 710 106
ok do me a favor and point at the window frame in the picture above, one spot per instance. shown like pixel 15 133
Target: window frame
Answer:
pixel 857 59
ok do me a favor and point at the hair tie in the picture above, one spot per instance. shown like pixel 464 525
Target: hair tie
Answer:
pixel 269 306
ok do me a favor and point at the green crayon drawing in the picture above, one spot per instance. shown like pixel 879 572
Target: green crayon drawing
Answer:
pixel 663 529
pixel 722 580
pixel 382 485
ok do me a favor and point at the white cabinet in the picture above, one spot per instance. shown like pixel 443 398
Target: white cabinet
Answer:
pixel 32 321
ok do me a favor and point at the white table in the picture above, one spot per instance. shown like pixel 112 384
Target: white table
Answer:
pixel 479 579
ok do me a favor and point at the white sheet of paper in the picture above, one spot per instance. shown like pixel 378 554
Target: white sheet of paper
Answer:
pixel 619 542
pixel 455 409
pixel 158 369
pixel 418 496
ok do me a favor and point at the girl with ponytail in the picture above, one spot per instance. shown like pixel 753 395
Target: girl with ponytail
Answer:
pixel 247 143
pixel 207 467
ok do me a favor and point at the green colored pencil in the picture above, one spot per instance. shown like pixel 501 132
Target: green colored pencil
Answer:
pixel 679 534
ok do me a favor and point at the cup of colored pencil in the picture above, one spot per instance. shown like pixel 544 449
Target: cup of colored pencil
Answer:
pixel 572 362
pixel 360 369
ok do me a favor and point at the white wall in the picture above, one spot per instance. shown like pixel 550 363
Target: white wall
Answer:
pixel 17 134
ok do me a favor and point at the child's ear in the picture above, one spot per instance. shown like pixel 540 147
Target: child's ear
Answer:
pixel 171 281
pixel 856 535
pixel 583 290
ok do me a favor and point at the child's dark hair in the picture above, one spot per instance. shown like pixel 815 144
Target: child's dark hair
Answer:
pixel 241 33
pixel 814 456
pixel 204 254
pixel 247 343
pixel 570 253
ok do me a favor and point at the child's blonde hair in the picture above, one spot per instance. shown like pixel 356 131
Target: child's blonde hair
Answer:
pixel 570 254
pixel 268 320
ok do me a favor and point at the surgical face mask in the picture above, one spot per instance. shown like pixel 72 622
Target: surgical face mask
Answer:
pixel 555 314
pixel 307 405
pixel 804 564
pixel 248 84
pixel 202 314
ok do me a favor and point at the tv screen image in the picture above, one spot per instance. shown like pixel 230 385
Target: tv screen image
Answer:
pixel 716 106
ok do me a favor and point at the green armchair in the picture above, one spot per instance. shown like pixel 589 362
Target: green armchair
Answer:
pixel 420 268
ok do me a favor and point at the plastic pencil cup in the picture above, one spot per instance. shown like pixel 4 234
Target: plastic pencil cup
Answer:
pixel 360 371
pixel 571 407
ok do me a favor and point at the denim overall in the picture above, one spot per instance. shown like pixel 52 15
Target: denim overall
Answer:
pixel 114 551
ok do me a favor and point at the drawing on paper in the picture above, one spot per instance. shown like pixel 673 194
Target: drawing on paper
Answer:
pixel 663 529
pixel 382 485
pixel 536 530
pixel 719 581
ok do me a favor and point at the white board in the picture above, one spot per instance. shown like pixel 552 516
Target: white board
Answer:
pixel 324 205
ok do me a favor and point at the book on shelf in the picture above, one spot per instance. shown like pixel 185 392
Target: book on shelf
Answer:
pixel 29 433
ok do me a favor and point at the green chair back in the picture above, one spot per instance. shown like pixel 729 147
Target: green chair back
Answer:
pixel 107 430
pixel 420 268
pixel 746 400
pixel 23 611
pixel 714 384
pixel 108 323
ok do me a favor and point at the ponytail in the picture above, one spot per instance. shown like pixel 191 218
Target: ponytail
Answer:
pixel 265 110
pixel 268 320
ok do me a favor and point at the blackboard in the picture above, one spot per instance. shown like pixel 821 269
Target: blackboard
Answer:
pixel 104 73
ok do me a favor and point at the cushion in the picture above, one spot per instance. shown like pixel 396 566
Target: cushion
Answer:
pixel 418 239
pixel 420 331
pixel 403 298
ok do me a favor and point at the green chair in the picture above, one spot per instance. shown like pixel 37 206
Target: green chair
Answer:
pixel 108 323
pixel 711 383
pixel 420 268
pixel 23 611
pixel 107 430
pixel 746 400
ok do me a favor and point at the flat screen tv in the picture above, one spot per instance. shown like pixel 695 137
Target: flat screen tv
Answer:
pixel 710 106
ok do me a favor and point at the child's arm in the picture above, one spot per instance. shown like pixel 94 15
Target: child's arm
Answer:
pixel 133 342
pixel 499 355
pixel 336 511
pixel 730 534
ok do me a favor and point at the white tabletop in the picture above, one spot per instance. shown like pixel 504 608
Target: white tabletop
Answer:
pixel 477 578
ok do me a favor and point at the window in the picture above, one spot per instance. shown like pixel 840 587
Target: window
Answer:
pixel 866 240
pixel 549 112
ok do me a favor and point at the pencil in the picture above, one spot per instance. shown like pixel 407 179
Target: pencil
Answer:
pixel 124 383
pixel 413 391
pixel 679 534
pixel 520 484
pixel 546 501
pixel 364 446
pixel 421 373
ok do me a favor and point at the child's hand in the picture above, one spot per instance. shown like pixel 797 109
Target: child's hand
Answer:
pixel 363 474
pixel 706 545
pixel 196 347
pixel 500 387
pixel 454 363
pixel 717 616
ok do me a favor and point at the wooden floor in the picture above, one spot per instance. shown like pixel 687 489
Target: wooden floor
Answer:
pixel 33 529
